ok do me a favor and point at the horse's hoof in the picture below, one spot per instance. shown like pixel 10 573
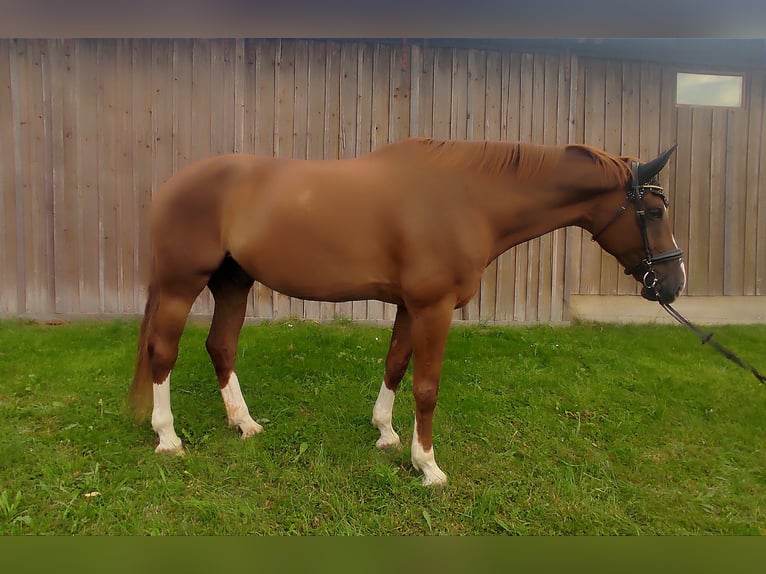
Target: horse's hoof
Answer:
pixel 435 480
pixel 249 429
pixel 174 449
pixel 389 444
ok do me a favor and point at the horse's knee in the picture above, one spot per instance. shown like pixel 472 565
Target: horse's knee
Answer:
pixel 162 356
pixel 221 356
pixel 395 369
pixel 426 396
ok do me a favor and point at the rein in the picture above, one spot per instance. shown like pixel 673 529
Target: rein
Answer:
pixel 708 338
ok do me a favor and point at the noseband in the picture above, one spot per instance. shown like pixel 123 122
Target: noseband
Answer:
pixel 635 195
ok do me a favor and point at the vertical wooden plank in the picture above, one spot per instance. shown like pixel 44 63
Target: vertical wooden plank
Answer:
pixel 265 131
pixel 381 81
pixel 205 81
pixel 46 148
pixel 760 236
pixel 399 106
pixel 595 85
pixel 548 245
pixel 16 59
pixel 183 70
pixel 459 110
pixel 66 201
pixel 416 76
pixel 699 219
pixel 576 134
pixel 535 247
pixel 315 122
pixel 228 95
pixel 425 124
pixel 492 125
pixel 526 105
pixel 283 139
pixel 728 200
pixel 458 127
pixel 442 93
pixel 301 110
pixel 560 235
pixel 246 96
pixel 332 127
pixel 363 129
pixel 219 101
pixel 163 110
pixel 300 123
pixel 143 157
pixel 475 130
pixel 364 113
pixel 9 279
pixel 58 182
pixel 36 205
pixel 682 185
pixel 610 269
pixel 242 140
pixel 349 84
pixel 510 102
pixel 399 116
pixel 649 128
pixel 753 177
pixel 726 138
pixel 629 140
pixel 129 283
pixel 247 91
pixel 109 131
pixel 87 158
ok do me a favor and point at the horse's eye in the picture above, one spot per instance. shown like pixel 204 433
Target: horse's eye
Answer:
pixel 655 213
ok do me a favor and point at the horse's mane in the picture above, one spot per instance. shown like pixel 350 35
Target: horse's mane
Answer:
pixel 526 160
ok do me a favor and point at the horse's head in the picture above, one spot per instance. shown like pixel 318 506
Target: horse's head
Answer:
pixel 643 241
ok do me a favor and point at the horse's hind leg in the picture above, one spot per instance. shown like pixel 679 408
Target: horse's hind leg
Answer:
pixel 399 352
pixel 167 324
pixel 230 286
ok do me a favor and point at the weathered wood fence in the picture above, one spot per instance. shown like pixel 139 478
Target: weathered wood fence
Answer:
pixel 90 128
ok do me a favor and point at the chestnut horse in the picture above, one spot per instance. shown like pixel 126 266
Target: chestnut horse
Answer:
pixel 413 224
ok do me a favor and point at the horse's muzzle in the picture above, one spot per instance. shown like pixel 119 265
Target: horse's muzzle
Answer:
pixel 662 288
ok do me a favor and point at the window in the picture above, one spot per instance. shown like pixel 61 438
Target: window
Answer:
pixel 708 90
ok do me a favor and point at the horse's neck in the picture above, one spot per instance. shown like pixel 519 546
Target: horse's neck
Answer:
pixel 529 211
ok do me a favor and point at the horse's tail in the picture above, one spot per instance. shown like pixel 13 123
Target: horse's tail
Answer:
pixel 140 396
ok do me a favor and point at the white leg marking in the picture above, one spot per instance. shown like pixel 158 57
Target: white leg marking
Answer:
pixel 162 419
pixel 424 461
pixel 381 418
pixel 236 409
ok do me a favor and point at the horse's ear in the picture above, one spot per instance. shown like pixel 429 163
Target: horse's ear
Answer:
pixel 647 171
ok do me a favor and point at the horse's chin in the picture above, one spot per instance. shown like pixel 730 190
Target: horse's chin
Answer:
pixel 651 295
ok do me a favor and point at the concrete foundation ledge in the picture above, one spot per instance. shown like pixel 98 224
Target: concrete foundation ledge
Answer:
pixel 724 310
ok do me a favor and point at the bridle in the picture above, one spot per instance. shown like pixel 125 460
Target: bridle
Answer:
pixel 635 195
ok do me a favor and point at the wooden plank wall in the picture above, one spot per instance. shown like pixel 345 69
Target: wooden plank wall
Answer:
pixel 90 129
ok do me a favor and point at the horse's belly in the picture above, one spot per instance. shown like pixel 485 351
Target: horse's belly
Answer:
pixel 314 266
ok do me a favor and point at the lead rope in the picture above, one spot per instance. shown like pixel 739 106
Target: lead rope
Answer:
pixel 708 338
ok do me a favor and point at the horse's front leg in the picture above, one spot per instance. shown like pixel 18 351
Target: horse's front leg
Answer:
pixel 430 326
pixel 397 360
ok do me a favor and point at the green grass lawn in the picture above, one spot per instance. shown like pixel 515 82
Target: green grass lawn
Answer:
pixel 586 429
